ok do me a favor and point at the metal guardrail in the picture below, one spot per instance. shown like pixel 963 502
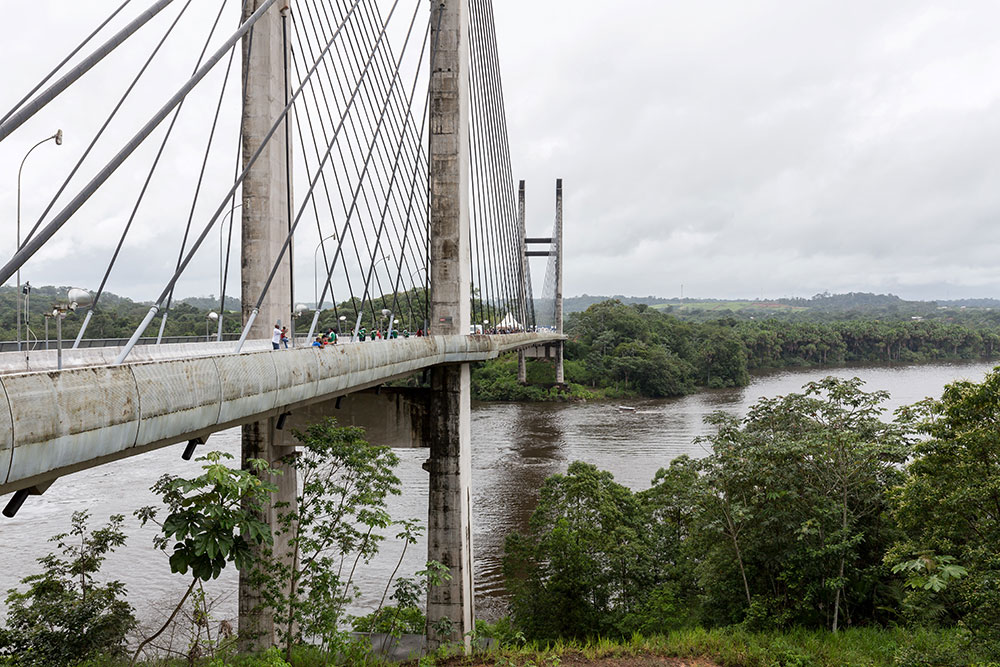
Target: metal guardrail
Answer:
pixel 11 345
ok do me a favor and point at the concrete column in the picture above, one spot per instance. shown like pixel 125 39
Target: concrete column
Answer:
pixel 560 377
pixel 265 226
pixel 265 196
pixel 449 435
pixel 522 368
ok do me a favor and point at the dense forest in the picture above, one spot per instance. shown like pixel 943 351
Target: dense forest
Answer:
pixel 616 349
pixel 814 511
pixel 117 317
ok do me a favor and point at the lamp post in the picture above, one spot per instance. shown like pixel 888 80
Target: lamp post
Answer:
pixel 223 266
pixel 209 318
pixel 315 260
pixel 58 137
pixel 364 297
pixel 300 308
pixel 75 298
pixel 340 325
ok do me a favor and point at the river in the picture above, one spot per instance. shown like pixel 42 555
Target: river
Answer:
pixel 515 447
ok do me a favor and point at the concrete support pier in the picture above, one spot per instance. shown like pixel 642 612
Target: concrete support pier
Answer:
pixel 522 365
pixel 560 376
pixel 449 520
pixel 265 226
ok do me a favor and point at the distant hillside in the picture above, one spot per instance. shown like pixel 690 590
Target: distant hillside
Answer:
pixel 824 306
pixel 211 302
pixel 576 304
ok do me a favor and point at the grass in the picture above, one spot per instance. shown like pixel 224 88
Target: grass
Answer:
pixel 724 647
pixel 735 647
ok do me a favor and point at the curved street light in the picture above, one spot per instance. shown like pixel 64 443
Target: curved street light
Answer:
pixel 315 260
pixel 58 137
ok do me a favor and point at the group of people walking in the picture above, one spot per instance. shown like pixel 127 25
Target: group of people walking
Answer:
pixel 279 337
pixel 376 334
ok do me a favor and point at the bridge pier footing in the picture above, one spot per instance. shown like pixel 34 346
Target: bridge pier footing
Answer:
pixel 449 513
pixel 262 440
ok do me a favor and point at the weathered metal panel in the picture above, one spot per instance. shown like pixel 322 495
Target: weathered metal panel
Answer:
pixel 64 418
pixel 176 398
pixel 334 365
pixel 297 374
pixel 249 385
pixel 6 434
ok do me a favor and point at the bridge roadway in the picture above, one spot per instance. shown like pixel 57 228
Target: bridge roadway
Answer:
pixel 53 423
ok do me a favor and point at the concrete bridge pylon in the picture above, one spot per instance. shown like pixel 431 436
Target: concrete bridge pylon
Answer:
pixel 448 427
pixel 265 224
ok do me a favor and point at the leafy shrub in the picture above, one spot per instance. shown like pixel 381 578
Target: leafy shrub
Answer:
pixel 65 616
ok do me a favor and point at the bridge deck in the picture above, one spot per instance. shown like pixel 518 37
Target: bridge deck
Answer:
pixel 56 422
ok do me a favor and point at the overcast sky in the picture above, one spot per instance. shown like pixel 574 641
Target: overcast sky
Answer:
pixel 740 148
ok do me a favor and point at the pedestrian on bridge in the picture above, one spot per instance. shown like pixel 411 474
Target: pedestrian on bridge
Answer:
pixel 276 336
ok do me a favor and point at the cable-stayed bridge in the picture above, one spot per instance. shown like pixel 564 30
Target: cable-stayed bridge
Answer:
pixel 365 138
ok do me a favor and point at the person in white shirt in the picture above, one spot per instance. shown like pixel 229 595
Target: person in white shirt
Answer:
pixel 276 337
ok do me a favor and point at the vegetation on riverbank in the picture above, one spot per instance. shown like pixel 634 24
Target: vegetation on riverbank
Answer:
pixel 810 516
pixel 616 350
pixel 737 647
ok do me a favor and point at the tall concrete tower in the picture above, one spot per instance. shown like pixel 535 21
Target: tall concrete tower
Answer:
pixel 449 522
pixel 265 227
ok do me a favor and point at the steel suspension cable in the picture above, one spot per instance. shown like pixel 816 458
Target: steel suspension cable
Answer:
pixel 382 68
pixel 312 132
pixel 25 111
pixel 65 60
pixel 253 159
pixel 46 233
pixel 415 156
pixel 312 186
pixel 107 122
pixel 501 210
pixel 515 231
pixel 364 169
pixel 142 193
pixel 340 189
pixel 513 228
pixel 367 162
pixel 372 94
pixel 204 166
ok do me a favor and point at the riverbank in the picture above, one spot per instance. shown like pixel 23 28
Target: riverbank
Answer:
pixel 693 647
pixel 496 380
pixel 736 647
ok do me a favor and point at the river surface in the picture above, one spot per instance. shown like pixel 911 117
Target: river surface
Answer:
pixel 515 447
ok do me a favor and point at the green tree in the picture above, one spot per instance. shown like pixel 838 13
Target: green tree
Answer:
pixel 334 526
pixel 579 570
pixel 797 493
pixel 949 506
pixel 66 616
pixel 212 520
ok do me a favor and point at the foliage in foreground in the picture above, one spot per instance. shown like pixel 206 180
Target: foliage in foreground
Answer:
pixel 802 515
pixel 737 647
pixel 66 615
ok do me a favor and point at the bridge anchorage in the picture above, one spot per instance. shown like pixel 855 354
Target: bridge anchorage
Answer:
pixel 410 195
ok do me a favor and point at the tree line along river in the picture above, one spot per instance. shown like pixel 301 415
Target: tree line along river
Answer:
pixel 515 447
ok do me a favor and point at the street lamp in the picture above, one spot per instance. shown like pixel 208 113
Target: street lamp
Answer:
pixel 58 137
pixel 212 316
pixel 340 325
pixel 315 261
pixel 75 298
